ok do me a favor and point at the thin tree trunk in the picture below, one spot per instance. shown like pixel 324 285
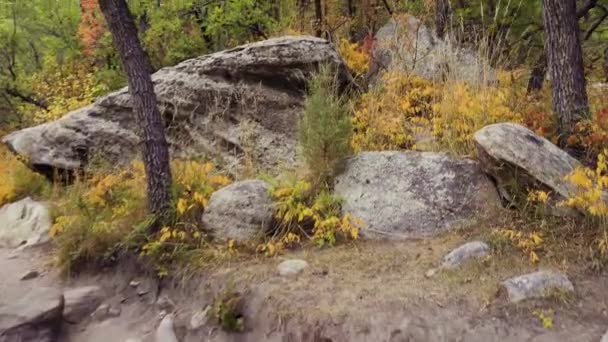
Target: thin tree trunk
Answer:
pixel 539 72
pixel 565 59
pixel 318 18
pixel 442 14
pixel 138 68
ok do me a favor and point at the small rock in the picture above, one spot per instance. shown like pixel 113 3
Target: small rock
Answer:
pixel 142 290
pixel 30 275
pixel 101 313
pixel 536 285
pixel 430 273
pixel 475 249
pixel 134 283
pixel 292 267
pixel 165 332
pixel 133 340
pixel 81 302
pixel 105 311
pixel 199 318
pixel 164 303
pixel 114 311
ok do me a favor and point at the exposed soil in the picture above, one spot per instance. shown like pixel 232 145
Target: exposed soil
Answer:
pixel 369 291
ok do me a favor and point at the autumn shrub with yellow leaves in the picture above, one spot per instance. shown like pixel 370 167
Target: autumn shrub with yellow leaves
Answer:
pixel 18 180
pixel 354 57
pixel 591 197
pixel 64 88
pixel 388 116
pixel 303 214
pixel 464 109
pixel 104 213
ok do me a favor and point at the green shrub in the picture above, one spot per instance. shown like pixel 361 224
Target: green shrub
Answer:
pixel 325 128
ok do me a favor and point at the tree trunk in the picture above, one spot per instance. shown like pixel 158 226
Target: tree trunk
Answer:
pixel 137 66
pixel 318 18
pixel 539 72
pixel 565 59
pixel 442 15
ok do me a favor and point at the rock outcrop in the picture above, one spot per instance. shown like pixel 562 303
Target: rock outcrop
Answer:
pixel 34 318
pixel 414 194
pixel 539 284
pixel 240 211
pixel 80 302
pixel 209 104
pixel 24 223
pixel 513 154
pixel 406 44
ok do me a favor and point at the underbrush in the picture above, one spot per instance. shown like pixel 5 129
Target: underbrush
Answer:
pixel 579 237
pixel 18 181
pixel 103 214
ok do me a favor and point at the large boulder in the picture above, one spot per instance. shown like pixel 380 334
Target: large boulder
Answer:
pixel 209 105
pixel 24 223
pixel 414 194
pixel 514 155
pixel 405 44
pixel 36 317
pixel 239 211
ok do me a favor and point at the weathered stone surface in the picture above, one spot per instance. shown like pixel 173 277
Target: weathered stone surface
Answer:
pixel 605 337
pixel 80 302
pixel 206 103
pixel 513 154
pixel 24 223
pixel 30 275
pixel 199 318
pixel 292 267
pixel 470 250
pixel 239 211
pixel 536 285
pixel 413 194
pixel 165 332
pixel 406 44
pixel 34 318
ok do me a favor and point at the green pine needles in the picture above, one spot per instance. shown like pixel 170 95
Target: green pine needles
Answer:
pixel 325 128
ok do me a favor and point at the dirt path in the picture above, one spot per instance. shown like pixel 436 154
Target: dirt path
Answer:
pixel 364 292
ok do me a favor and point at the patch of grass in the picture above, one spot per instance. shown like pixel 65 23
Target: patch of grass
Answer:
pixel 227 309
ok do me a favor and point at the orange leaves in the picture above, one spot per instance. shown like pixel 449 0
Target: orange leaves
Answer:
pixel 91 25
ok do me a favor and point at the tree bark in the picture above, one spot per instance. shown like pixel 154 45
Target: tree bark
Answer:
pixel 539 71
pixel 565 59
pixel 137 66
pixel 442 14
pixel 318 18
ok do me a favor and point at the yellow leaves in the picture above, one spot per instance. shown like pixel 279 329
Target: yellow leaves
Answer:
pixel 530 243
pixel 462 110
pixel 17 180
pixel 388 116
pixel 357 60
pixel 538 196
pixel 545 317
pixel 591 188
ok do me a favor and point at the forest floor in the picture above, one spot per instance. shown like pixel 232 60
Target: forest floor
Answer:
pixel 368 291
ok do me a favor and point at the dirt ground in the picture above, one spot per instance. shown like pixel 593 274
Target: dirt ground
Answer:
pixel 368 291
